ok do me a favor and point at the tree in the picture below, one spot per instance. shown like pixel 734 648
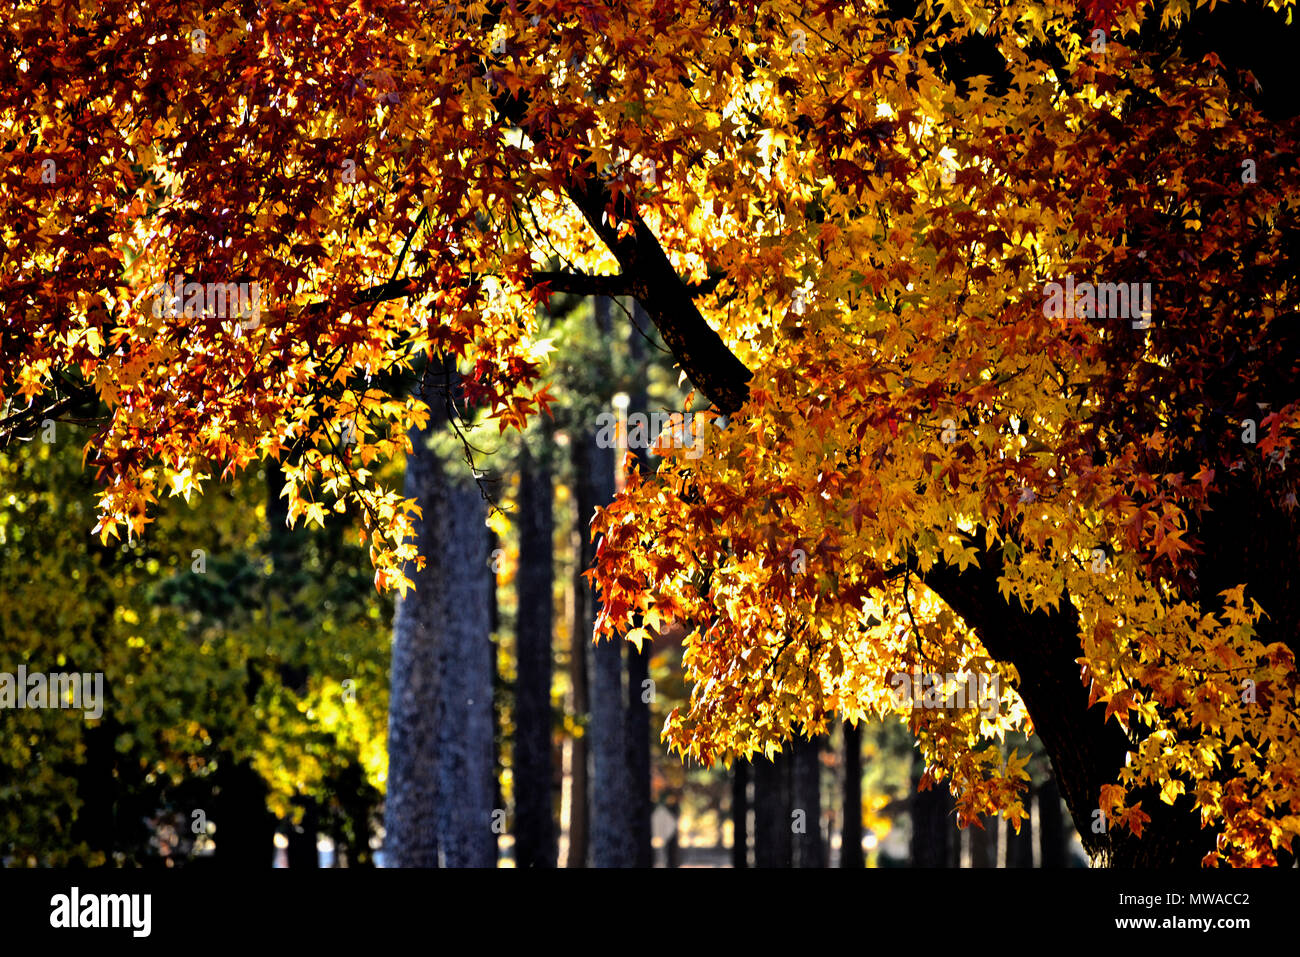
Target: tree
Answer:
pixel 439 807
pixel 854 227
pixel 217 711
pixel 851 832
pixel 933 840
pixel 611 785
pixel 740 813
pixel 806 798
pixel 640 688
pixel 413 795
pixel 773 836
pixel 534 811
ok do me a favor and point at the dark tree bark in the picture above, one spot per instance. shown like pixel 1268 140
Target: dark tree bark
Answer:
pixel 933 842
pixel 773 839
pixel 640 690
pixel 806 797
pixel 498 692
pixel 579 680
pixel 411 807
pixel 983 843
pixel 1020 847
pixel 611 837
pixel 245 835
pixel 439 807
pixel 638 754
pixel 1051 829
pixel 465 778
pixel 302 839
pixel 534 814
pixel 851 832
pixel 1086 750
pixel 740 813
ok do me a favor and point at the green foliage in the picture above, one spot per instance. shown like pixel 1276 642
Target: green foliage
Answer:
pixel 211 655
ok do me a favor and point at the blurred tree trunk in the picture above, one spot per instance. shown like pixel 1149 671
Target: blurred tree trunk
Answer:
pixel 611 837
pixel 534 814
pixel 740 813
pixel 640 690
pixel 932 843
pixel 579 809
pixel 773 844
pixel 498 690
pixel 983 843
pixel 673 844
pixel 1051 826
pixel 302 839
pixel 851 832
pixel 245 835
pixel 1020 847
pixel 638 753
pixel 806 797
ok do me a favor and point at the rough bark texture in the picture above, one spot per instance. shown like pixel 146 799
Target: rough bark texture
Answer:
pixel 851 833
pixel 411 807
pixel 611 838
pixel 465 836
pixel 534 815
pixel 439 808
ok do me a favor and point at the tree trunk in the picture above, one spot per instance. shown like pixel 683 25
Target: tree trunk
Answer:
pixel 611 838
pixel 1051 829
pixel 851 832
pixel 1087 751
pixel 806 798
pixel 465 778
pixel 640 691
pixel 740 813
pixel 932 843
pixel 411 806
pixel 579 808
pixel 439 810
pixel 638 753
pixel 245 834
pixel 1020 847
pixel 534 814
pixel 983 843
pixel 302 839
pixel 773 839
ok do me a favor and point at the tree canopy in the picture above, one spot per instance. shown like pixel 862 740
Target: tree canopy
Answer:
pixel 846 220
